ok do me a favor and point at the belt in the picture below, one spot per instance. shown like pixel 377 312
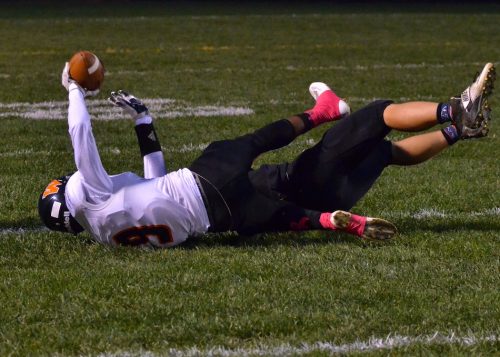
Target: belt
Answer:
pixel 219 214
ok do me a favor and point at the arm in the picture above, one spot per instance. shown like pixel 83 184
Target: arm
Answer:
pixel 154 163
pixel 96 182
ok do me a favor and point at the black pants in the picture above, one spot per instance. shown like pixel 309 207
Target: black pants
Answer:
pixel 232 201
pixel 336 172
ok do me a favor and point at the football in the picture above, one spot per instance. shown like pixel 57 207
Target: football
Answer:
pixel 87 70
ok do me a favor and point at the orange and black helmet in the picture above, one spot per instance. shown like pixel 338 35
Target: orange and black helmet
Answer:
pixel 53 210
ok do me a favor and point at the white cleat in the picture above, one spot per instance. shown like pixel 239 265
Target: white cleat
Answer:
pixel 318 88
pixel 470 109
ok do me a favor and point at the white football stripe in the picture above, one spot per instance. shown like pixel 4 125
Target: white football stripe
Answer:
pixel 103 110
pixel 300 348
pixel 95 66
pixel 426 213
pixel 21 230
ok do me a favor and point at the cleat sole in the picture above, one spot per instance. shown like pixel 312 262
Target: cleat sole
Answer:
pixel 379 230
pixel 341 219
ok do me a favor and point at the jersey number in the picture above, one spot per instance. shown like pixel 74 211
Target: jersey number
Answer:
pixel 155 235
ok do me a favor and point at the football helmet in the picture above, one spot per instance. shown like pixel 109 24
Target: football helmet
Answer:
pixel 53 210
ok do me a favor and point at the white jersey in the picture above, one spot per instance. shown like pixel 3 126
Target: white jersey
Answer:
pixel 127 209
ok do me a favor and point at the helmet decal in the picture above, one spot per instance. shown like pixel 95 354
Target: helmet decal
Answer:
pixel 52 188
pixel 56 207
pixel 67 222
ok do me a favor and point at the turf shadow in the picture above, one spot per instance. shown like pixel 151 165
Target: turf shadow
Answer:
pixel 268 240
pixel 25 223
pixel 447 225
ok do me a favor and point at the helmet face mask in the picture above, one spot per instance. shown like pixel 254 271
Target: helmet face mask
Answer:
pixel 53 210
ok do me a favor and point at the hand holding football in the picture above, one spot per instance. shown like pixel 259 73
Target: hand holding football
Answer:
pixel 87 70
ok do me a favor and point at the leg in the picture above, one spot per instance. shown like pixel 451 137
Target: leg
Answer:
pixel 240 153
pixel 468 113
pixel 340 170
pixel 224 160
pixel 411 116
pixel 317 177
pixel 419 148
pixel 256 213
pixel 416 116
pixel 323 170
pixel 221 164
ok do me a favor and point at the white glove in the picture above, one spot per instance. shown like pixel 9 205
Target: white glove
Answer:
pixel 130 104
pixel 66 80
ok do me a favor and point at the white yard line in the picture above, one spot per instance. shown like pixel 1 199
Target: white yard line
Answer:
pixel 371 345
pixel 102 110
pixel 425 213
pixel 22 231
pixel 31 152
pixel 162 108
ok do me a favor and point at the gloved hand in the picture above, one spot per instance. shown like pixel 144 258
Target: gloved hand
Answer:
pixel 130 104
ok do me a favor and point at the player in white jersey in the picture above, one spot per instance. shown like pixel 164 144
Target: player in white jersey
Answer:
pixel 219 192
pixel 213 195
pixel 158 209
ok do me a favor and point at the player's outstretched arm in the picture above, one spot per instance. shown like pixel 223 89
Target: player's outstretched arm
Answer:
pixel 95 178
pixel 154 163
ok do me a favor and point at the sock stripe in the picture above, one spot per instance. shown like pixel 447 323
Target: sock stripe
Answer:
pixel 443 113
pixel 450 134
pixel 306 119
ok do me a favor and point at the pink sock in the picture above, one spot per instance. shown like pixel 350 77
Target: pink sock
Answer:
pixel 356 224
pixel 326 223
pixel 326 108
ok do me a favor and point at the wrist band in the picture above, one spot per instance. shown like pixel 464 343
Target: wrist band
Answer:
pixel 148 140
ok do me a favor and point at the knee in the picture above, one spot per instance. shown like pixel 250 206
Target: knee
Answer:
pixel 401 156
pixel 389 114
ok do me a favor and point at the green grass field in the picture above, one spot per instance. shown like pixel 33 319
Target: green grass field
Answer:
pixel 434 290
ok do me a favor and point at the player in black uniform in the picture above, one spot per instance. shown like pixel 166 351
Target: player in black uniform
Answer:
pixel 341 168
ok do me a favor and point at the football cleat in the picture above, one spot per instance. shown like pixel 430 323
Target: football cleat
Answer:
pixel 328 107
pixel 367 228
pixel 470 109
pixel 481 131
